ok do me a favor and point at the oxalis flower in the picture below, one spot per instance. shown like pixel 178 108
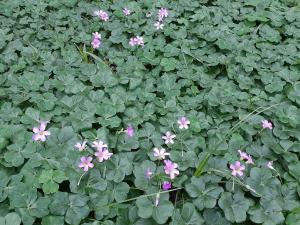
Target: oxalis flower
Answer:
pixel 86 163
pixel 129 131
pixel 170 169
pixel 96 43
pixel 136 41
pixel 245 156
pixel 80 146
pixel 166 185
pixel 102 15
pixel 103 154
pixel 162 13
pixel 159 25
pixel 40 133
pixel 99 145
pixel 126 11
pixel 169 137
pixel 266 124
pixel 237 169
pixel 183 123
pixel 160 154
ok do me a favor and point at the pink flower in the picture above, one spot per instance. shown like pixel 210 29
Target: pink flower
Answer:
pixel 103 154
pixel 80 146
pixel 129 131
pixel 167 185
pixel 170 169
pixel 169 137
pixel 126 11
pixel 160 153
pixel 40 133
pixel 99 145
pixel 183 123
pixel 162 13
pixel 101 14
pixel 148 173
pixel 237 169
pixel 96 43
pixel 159 26
pixel 245 156
pixel 136 41
pixel 86 163
pixel 266 124
pixel 270 165
pixel 96 35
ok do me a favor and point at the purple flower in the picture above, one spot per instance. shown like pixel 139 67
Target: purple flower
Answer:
pixel 270 165
pixel 166 185
pixel 96 35
pixel 103 155
pixel 102 15
pixel 80 146
pixel 40 133
pixel 237 169
pixel 86 163
pixel 183 123
pixel 170 169
pixel 245 156
pixel 162 13
pixel 126 11
pixel 129 131
pixel 266 124
pixel 148 173
pixel 169 137
pixel 99 145
pixel 96 43
pixel 159 25
pixel 160 153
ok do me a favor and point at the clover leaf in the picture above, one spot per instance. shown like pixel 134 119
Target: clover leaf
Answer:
pixel 50 180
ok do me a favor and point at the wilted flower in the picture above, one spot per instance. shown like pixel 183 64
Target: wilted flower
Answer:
pixel 170 169
pixel 126 11
pixel 266 124
pixel 148 173
pixel 237 169
pixel 157 199
pixel 40 133
pixel 162 13
pixel 160 153
pixel 129 131
pixel 270 165
pixel 86 163
pixel 148 14
pixel 169 137
pixel 159 25
pixel 249 160
pixel 101 14
pixel 103 154
pixel 167 185
pixel 183 123
pixel 96 43
pixel 99 145
pixel 80 146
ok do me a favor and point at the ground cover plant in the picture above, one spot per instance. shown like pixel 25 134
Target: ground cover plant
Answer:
pixel 149 112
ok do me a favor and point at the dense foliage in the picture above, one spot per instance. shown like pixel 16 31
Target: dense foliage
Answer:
pixel 213 62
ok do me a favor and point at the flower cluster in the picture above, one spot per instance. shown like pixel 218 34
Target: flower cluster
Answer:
pixel 136 41
pixel 102 154
pixel 237 168
pixel 96 41
pixel 102 15
pixel 162 14
pixel 40 133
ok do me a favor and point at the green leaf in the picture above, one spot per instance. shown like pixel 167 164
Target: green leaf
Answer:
pixel 163 211
pixel 10 219
pixel 120 191
pixel 78 209
pixel 50 187
pixel 51 220
pixel 234 206
pixel 145 207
